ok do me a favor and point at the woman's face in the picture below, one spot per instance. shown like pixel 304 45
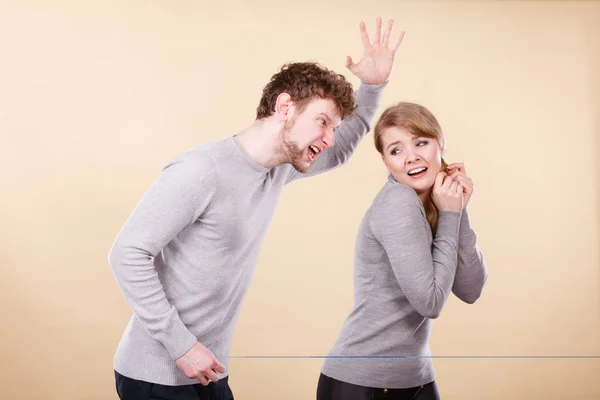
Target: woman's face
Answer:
pixel 412 160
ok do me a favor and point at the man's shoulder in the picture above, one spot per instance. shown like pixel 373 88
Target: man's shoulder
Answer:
pixel 204 156
pixel 199 161
pixel 214 150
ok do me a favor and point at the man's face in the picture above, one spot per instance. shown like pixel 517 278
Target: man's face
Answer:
pixel 309 131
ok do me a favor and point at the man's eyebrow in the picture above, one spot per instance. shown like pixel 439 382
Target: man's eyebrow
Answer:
pixel 328 118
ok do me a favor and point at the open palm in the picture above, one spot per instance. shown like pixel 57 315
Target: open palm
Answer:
pixel 376 64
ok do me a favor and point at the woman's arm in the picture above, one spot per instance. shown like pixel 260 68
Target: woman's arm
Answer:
pixel 471 273
pixel 425 273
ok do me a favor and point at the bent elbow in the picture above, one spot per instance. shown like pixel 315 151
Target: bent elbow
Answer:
pixel 470 298
pixel 116 257
pixel 431 313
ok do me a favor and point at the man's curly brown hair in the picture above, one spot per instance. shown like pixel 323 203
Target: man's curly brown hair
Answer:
pixel 305 81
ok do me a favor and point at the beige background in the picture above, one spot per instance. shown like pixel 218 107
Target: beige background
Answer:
pixel 95 98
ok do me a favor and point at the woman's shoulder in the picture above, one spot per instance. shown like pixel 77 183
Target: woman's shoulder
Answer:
pixel 395 200
pixel 396 193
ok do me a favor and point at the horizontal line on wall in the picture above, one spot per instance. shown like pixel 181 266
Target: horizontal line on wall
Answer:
pixel 401 357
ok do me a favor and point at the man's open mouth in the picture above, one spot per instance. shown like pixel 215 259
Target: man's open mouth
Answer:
pixel 313 151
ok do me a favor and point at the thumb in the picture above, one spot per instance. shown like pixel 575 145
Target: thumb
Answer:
pixel 349 63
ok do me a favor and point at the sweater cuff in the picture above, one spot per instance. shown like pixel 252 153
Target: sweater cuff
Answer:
pixel 464 219
pixel 467 235
pixel 372 87
pixel 449 224
pixel 177 339
pixel 369 96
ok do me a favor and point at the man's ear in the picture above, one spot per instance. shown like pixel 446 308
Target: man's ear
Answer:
pixel 283 105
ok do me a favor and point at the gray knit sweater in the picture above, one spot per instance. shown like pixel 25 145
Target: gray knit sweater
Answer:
pixel 402 278
pixel 185 256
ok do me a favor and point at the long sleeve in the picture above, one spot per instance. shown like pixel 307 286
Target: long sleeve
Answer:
pixel 349 134
pixel 174 201
pixel 471 273
pixel 425 273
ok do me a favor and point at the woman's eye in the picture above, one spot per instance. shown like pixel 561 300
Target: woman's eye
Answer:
pixel 395 151
pixel 422 143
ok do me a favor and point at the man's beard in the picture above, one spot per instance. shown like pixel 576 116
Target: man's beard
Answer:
pixel 292 151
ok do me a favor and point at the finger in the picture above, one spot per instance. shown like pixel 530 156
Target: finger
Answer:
pixel 454 186
pixel 465 179
pixel 458 174
pixel 453 172
pixel 456 171
pixel 202 379
pixel 388 32
pixel 349 62
pixel 364 36
pixel 448 181
pixel 439 179
pixel 464 184
pixel 458 167
pixel 467 183
pixel 212 375
pixel 400 37
pixel 217 366
pixel 377 38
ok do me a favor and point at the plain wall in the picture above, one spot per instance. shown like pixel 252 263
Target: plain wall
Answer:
pixel 95 97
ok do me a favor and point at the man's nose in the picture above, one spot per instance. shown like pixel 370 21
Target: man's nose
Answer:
pixel 329 137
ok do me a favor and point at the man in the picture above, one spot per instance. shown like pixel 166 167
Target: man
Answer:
pixel 185 256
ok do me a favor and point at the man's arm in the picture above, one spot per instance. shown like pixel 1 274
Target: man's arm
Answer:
pixel 373 70
pixel 349 134
pixel 175 200
pixel 471 273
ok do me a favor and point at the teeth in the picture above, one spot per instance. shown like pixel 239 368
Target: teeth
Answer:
pixel 315 149
pixel 416 170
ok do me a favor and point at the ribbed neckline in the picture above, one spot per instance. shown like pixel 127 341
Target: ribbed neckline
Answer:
pixel 251 161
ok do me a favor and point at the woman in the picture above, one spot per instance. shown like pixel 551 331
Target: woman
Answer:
pixel 414 246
